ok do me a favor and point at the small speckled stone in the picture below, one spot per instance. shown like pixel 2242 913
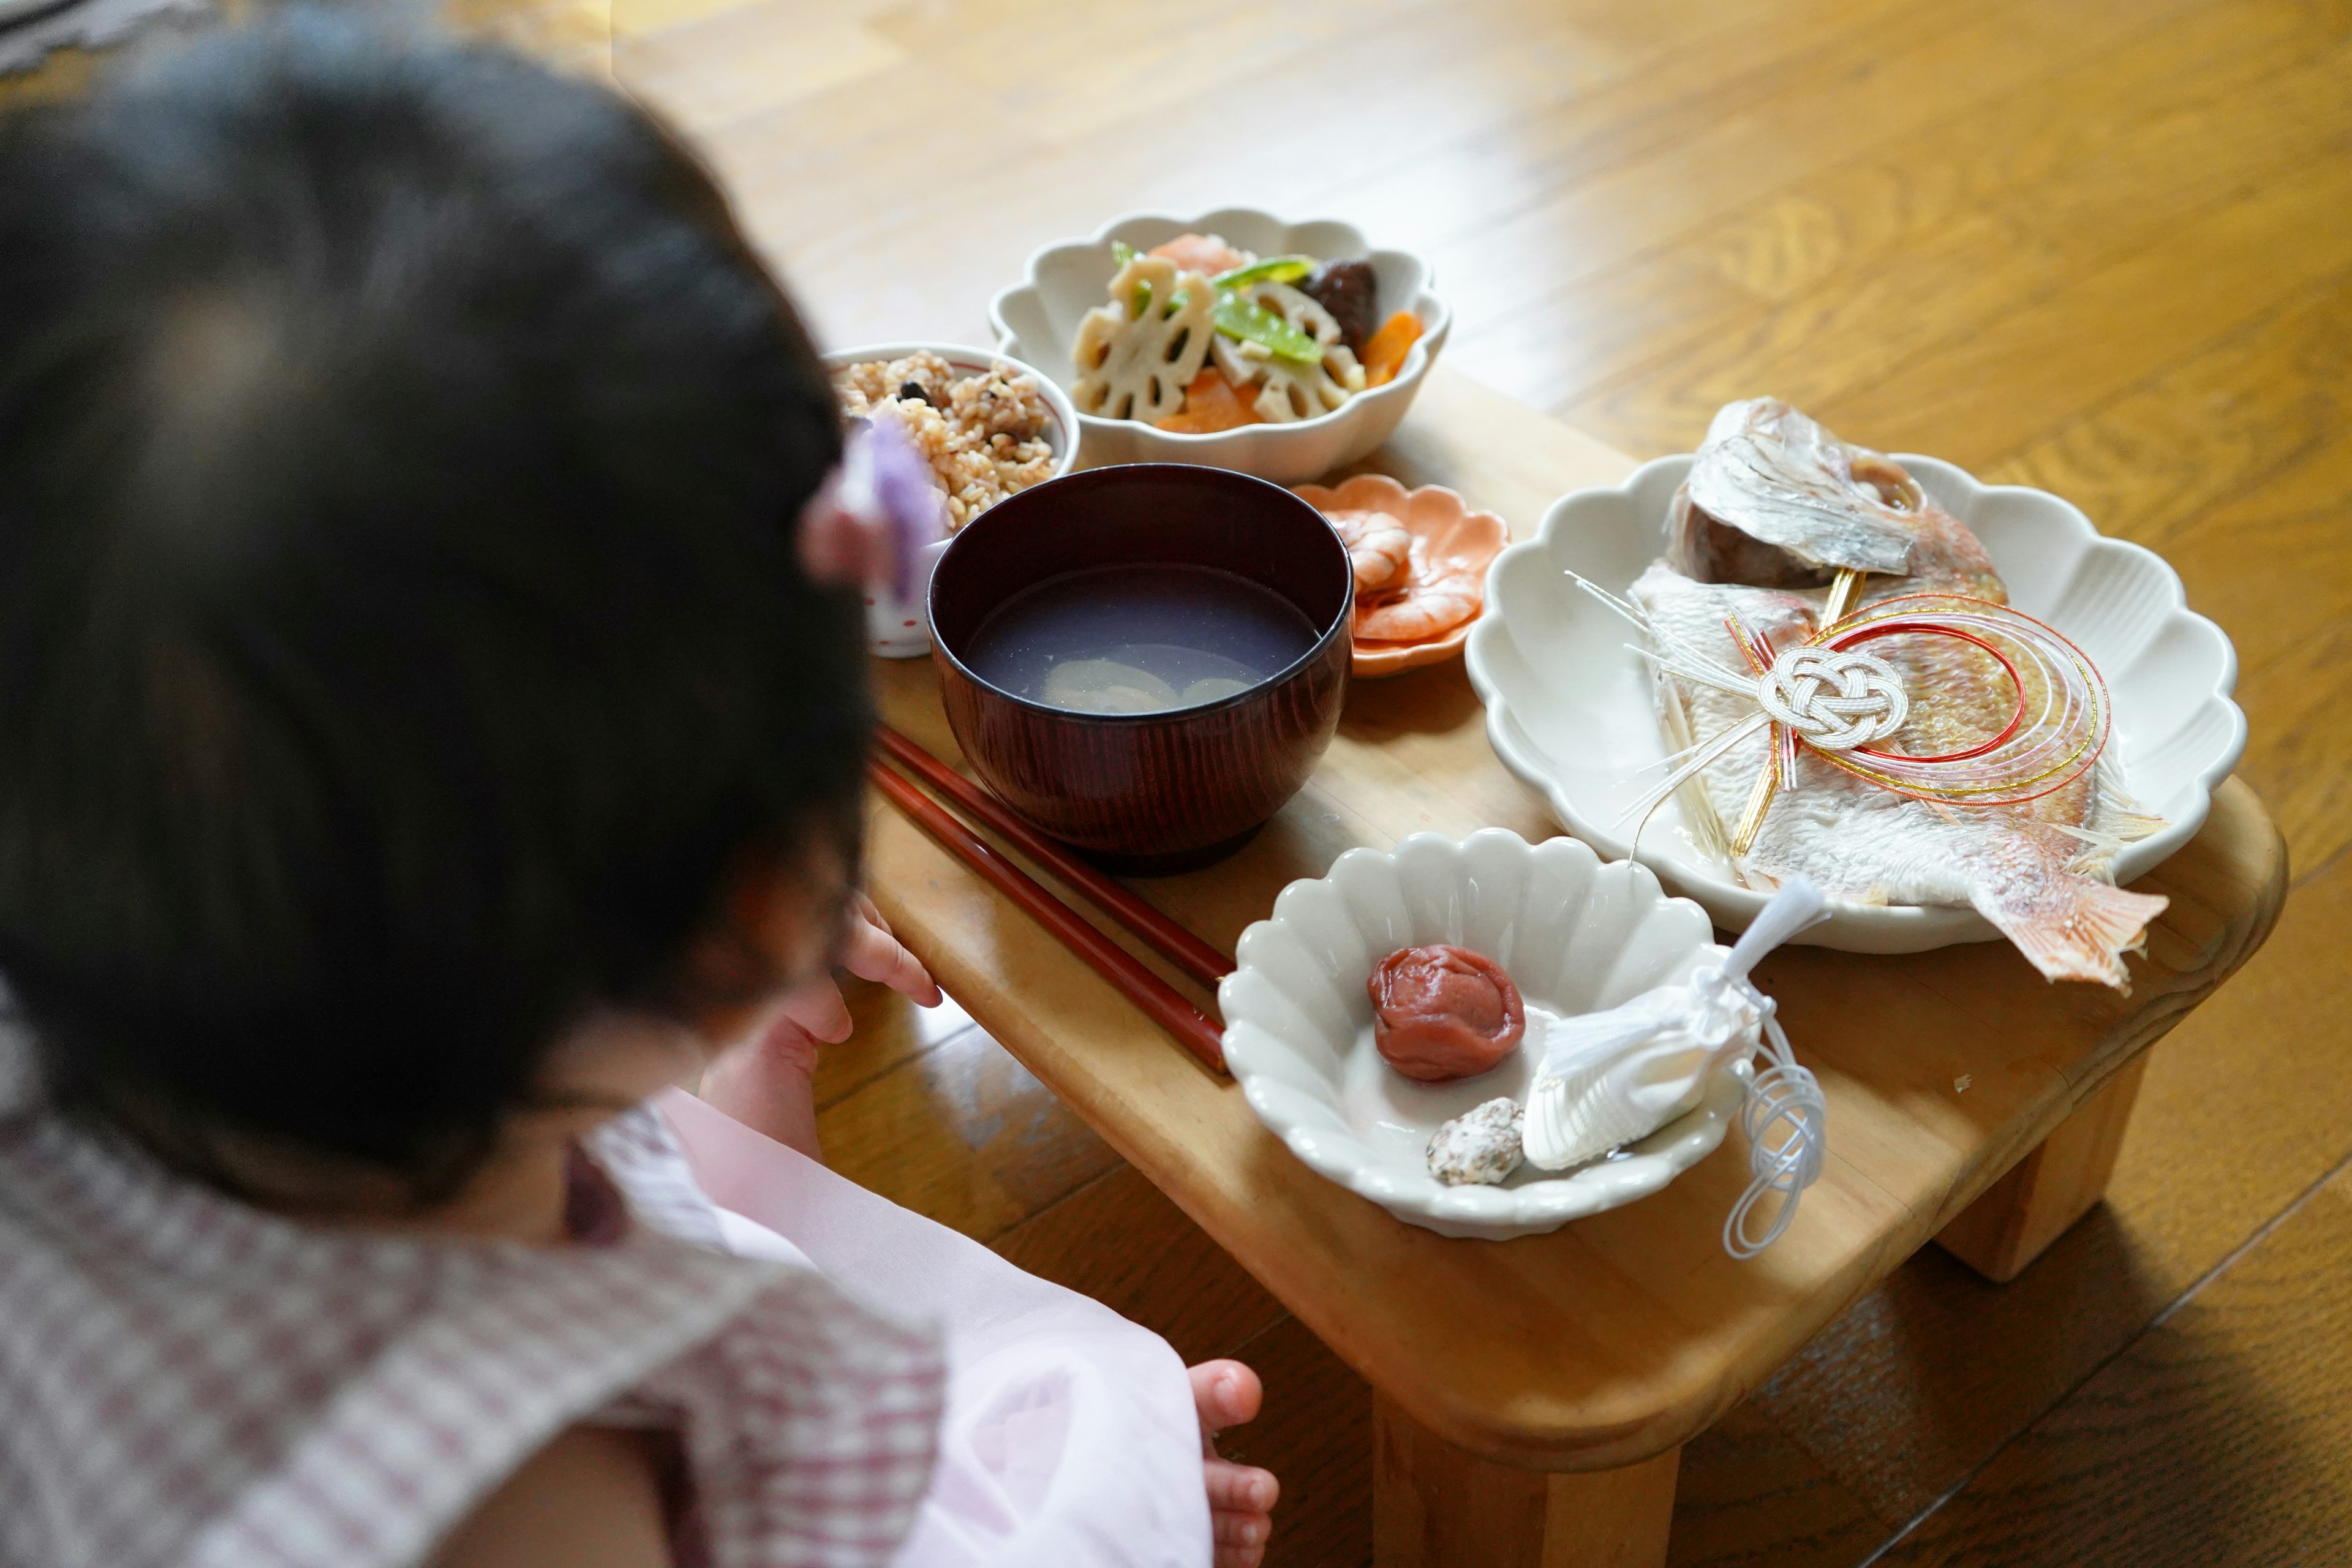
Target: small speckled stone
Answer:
pixel 1480 1146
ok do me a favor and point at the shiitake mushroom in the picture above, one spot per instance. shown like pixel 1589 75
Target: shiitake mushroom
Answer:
pixel 1350 290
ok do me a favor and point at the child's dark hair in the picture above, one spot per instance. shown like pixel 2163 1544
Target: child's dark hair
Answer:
pixel 402 632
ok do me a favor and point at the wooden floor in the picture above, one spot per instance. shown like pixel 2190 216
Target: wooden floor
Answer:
pixel 2101 246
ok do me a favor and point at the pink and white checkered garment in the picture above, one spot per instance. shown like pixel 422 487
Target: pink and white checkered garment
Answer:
pixel 188 1380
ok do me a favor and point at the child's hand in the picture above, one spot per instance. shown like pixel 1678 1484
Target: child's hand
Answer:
pixel 764 1082
pixel 870 953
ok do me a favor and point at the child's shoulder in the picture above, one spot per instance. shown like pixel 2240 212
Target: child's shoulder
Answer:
pixel 202 1382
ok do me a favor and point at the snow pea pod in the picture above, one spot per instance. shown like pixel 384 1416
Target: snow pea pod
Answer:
pixel 1273 270
pixel 1240 317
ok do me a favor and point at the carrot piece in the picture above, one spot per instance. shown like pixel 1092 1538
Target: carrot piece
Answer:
pixel 1385 349
pixel 1211 405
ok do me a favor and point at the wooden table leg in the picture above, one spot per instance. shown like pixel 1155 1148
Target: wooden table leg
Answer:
pixel 1436 1506
pixel 2015 1218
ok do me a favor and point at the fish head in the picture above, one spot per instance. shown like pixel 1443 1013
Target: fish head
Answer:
pixel 1775 500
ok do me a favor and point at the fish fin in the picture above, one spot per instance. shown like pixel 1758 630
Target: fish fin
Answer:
pixel 2085 936
pixel 2094 847
pixel 2099 845
pixel 2118 816
pixel 2117 820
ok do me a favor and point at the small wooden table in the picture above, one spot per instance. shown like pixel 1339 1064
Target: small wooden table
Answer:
pixel 1531 1396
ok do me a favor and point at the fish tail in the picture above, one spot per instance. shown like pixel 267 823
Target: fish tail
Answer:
pixel 2083 932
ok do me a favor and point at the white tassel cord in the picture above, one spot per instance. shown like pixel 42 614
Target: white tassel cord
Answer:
pixel 1611 1077
pixel 1784 1100
pixel 1785 1115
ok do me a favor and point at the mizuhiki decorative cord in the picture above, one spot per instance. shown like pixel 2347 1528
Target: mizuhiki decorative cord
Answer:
pixel 1840 703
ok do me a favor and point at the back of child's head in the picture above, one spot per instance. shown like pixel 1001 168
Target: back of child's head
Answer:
pixel 400 628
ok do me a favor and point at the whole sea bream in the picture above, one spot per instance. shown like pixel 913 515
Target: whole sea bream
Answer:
pixel 1774 507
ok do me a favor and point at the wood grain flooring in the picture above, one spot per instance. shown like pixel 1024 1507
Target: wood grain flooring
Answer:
pixel 2101 247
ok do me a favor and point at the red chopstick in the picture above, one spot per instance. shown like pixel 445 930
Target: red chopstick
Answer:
pixel 1178 946
pixel 1193 1029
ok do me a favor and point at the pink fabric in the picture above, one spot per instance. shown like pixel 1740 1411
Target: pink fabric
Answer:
pixel 1070 1436
pixel 188 1380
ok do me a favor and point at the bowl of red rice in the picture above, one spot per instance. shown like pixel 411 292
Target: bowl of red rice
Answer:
pixel 990 427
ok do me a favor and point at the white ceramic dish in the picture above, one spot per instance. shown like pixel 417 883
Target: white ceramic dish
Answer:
pixel 895 628
pixel 1575 935
pixel 1036 320
pixel 1569 705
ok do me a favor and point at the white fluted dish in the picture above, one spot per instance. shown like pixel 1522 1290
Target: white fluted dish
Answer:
pixel 1575 935
pixel 1037 320
pixel 1569 707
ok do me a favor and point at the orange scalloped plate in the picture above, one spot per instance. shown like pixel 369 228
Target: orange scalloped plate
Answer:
pixel 1449 531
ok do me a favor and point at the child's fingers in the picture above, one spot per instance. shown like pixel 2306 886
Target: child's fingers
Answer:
pixel 873 953
pixel 1240 1488
pixel 819 1010
pixel 871 912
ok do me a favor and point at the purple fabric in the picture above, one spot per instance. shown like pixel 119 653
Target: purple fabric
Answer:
pixel 906 495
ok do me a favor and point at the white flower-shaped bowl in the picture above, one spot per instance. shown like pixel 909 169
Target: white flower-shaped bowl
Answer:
pixel 895 628
pixel 1036 320
pixel 1569 707
pixel 1575 935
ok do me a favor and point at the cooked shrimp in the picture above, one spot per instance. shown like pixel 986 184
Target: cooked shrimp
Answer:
pixel 1428 604
pixel 1379 548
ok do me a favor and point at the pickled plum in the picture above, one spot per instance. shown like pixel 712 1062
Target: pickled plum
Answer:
pixel 1442 1012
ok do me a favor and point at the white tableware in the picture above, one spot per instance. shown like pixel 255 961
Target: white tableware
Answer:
pixel 1575 935
pixel 1569 707
pixel 900 628
pixel 1038 319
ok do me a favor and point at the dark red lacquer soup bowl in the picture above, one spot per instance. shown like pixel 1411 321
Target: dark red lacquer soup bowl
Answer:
pixel 1161 791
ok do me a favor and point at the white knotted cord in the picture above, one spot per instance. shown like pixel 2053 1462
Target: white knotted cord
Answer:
pixel 1835 701
pixel 1784 1102
pixel 1785 1116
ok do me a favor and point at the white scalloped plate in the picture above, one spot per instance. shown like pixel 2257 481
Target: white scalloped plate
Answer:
pixel 1574 934
pixel 1036 321
pixel 1568 707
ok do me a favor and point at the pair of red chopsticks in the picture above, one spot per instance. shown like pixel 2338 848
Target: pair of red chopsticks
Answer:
pixel 1161 1001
